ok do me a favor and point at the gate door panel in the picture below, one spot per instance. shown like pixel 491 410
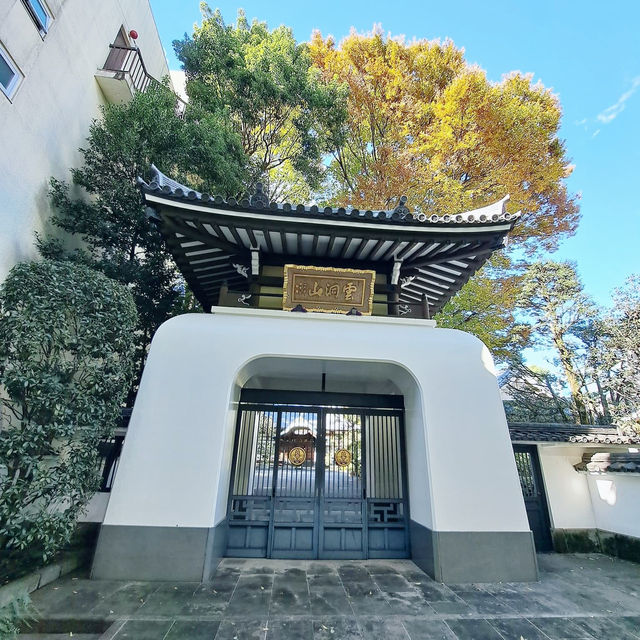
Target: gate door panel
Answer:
pixel 535 500
pixel 251 502
pixel 386 500
pixel 342 511
pixel 293 533
pixel 318 482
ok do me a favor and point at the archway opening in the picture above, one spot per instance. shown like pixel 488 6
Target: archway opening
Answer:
pixel 329 460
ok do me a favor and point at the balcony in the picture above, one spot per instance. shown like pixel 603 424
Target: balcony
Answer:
pixel 124 74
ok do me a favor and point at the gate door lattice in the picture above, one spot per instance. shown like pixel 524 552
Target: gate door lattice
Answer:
pixel 319 481
pixel 535 502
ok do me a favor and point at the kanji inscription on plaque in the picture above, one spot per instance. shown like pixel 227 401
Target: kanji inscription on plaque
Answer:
pixel 328 289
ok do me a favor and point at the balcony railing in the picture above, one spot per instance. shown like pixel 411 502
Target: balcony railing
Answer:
pixel 129 61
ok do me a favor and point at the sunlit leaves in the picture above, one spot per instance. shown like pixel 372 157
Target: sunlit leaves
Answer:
pixel 262 82
pixel 66 353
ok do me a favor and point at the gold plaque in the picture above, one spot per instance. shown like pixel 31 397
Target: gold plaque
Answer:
pixel 342 457
pixel 297 456
pixel 328 289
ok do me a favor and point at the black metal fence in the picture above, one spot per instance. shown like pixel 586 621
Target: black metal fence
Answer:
pixel 110 451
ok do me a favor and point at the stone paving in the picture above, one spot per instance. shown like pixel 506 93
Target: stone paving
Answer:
pixel 578 597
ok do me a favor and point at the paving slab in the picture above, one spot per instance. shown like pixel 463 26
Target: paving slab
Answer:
pixel 578 597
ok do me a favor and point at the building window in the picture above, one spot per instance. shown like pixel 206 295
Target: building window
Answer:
pixel 39 14
pixel 10 75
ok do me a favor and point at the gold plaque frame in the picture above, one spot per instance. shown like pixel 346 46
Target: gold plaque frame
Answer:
pixel 297 456
pixel 363 304
pixel 342 457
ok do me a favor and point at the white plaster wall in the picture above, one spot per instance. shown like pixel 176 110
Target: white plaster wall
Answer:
pixel 567 491
pixel 177 456
pixel 48 118
pixel 616 502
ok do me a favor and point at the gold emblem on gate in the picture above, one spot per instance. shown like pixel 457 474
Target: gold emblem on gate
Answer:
pixel 297 456
pixel 342 457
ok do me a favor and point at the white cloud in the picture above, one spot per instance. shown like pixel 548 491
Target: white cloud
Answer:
pixel 595 133
pixel 579 123
pixel 612 112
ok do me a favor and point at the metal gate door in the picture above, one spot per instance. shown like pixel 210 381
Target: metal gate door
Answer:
pixel 535 500
pixel 301 475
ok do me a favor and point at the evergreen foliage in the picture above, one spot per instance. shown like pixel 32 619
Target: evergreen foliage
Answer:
pixel 263 81
pixel 551 296
pixel 117 238
pixel 66 352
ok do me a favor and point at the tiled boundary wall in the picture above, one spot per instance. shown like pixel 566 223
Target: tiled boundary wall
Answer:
pixel 591 512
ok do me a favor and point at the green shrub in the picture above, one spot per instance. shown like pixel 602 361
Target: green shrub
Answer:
pixel 18 613
pixel 66 345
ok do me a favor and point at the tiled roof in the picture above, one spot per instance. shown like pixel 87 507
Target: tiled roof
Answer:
pixel 165 186
pixel 609 463
pixel 572 433
pixel 217 241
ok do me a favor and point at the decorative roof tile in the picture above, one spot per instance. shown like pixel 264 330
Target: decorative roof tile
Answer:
pixel 490 214
pixel 609 463
pixel 570 433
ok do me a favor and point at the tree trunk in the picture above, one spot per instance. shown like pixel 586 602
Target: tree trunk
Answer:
pixel 578 405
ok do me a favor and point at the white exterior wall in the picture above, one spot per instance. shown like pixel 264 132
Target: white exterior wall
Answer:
pixel 48 118
pixel 616 502
pixel 609 501
pixel 175 466
pixel 568 494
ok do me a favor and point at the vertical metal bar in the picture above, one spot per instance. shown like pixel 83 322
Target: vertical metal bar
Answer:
pixel 405 495
pixel 318 500
pixel 364 510
pixel 274 474
pixel 233 464
pixel 394 458
pixel 241 466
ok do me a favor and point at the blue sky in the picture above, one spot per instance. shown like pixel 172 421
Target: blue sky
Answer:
pixel 587 52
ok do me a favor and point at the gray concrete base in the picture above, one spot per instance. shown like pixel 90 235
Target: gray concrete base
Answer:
pixel 193 554
pixel 216 548
pixel 474 556
pixel 597 541
pixel 158 553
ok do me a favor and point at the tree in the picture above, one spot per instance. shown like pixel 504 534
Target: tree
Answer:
pixel 117 239
pixel 262 81
pixel 552 297
pixel 532 394
pixel 485 308
pixel 424 123
pixel 66 355
pixel 618 356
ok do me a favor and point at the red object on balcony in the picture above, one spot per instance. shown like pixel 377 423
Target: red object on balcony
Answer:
pixel 133 34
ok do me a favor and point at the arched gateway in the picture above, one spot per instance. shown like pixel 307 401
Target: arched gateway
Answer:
pixel 365 432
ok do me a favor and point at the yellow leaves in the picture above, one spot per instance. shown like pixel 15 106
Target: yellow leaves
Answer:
pixel 425 123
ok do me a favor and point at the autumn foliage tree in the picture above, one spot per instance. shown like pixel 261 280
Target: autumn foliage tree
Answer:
pixel 423 122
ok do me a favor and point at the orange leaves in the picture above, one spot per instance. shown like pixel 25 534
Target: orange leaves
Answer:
pixel 423 122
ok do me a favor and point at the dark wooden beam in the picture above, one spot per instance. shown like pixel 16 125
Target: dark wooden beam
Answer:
pixel 332 241
pixel 199 233
pixel 440 258
pixel 283 239
pixel 252 237
pixel 345 247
